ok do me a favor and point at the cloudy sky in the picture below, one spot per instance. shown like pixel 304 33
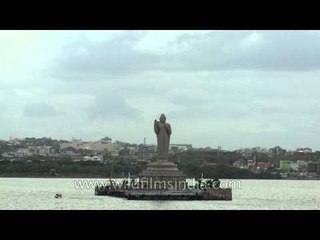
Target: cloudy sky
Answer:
pixel 218 88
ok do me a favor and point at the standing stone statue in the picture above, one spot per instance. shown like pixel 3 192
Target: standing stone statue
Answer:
pixel 163 131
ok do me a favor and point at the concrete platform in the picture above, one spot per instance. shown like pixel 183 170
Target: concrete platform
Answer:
pixel 195 194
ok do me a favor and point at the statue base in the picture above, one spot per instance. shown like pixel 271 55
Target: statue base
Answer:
pixel 162 174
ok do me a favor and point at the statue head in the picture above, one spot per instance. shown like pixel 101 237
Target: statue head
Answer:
pixel 162 118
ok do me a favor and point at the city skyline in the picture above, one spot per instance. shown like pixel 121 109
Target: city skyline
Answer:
pixel 144 141
pixel 217 88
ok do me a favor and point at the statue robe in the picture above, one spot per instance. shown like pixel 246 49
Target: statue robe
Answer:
pixel 163 131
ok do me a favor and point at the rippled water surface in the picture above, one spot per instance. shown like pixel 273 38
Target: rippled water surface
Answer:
pixel 38 193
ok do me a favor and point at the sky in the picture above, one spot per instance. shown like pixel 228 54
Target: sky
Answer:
pixel 232 89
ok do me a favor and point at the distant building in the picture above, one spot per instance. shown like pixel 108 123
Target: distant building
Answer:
pixel 263 166
pixel 147 148
pixel 9 156
pixel 181 147
pixel 285 165
pixel 45 150
pixel 314 167
pixel 207 149
pixel 247 152
pixel 146 152
pixel 239 163
pixel 41 150
pixel 104 144
pixel 14 141
pixel 251 163
pixel 23 152
pixel 115 150
pixel 98 158
pixel 304 150
pixel 69 153
pixel 294 166
pixel 276 151
pixel 302 165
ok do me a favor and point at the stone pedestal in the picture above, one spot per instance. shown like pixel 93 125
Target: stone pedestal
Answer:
pixel 162 174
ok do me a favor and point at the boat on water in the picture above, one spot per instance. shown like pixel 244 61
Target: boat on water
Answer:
pixel 58 195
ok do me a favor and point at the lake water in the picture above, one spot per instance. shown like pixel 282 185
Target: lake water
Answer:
pixel 38 193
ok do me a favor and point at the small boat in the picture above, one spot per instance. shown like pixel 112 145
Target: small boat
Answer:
pixel 58 195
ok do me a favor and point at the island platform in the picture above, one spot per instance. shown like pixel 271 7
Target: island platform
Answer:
pixel 194 194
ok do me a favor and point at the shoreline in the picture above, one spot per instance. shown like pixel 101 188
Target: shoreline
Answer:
pixel 39 175
pixel 90 175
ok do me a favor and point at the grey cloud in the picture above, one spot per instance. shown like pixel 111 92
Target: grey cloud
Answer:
pixel 269 50
pixel 114 57
pixel 111 107
pixel 227 50
pixel 39 110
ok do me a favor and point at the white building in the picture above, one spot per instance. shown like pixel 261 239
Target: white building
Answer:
pixel 303 165
pixel 182 147
pixel 44 150
pixel 304 150
pixel 23 152
pixel 98 158
pixel 102 145
pixel 41 150
pixel 251 163
pixel 294 166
